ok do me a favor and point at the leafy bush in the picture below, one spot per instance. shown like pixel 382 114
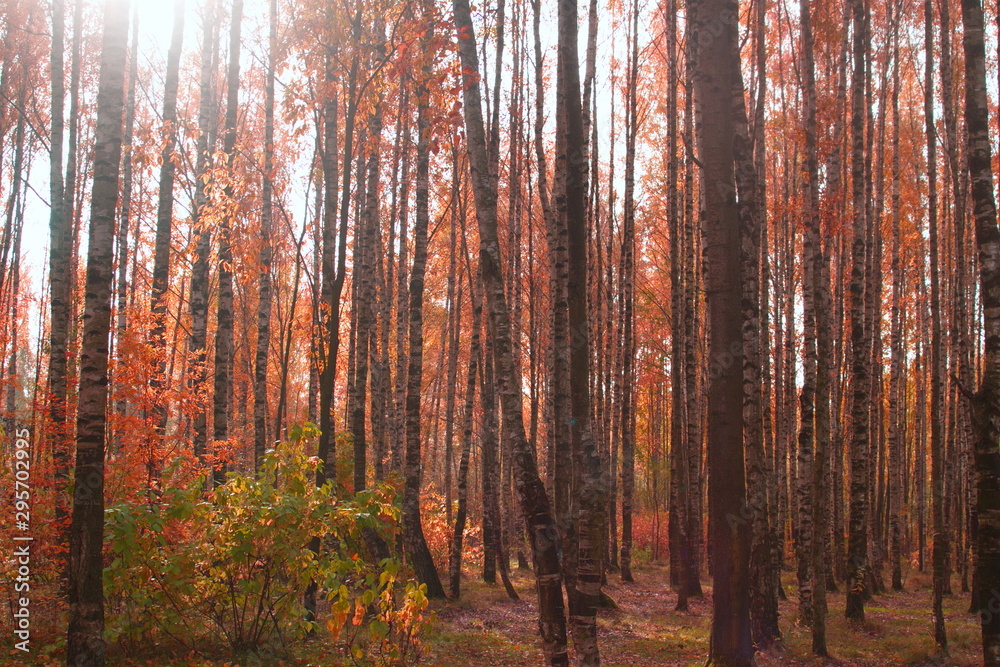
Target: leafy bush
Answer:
pixel 392 631
pixel 231 567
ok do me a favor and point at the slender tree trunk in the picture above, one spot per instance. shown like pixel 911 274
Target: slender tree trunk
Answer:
pixel 787 467
pixel 920 455
pixel 805 546
pixel 767 407
pixel 857 548
pixel 763 595
pixel 203 235
pixel 164 230
pixel 222 394
pixel 692 361
pixel 14 226
pixel 72 207
pixel 475 352
pixel 413 535
pixel 125 215
pixel 807 433
pixel 331 282
pixel 401 287
pixel 611 340
pixel 676 528
pixel 781 418
pixel 285 336
pixel 561 463
pixel 489 462
pixel 964 432
pixel 823 476
pixel 454 326
pixel 264 298
pixel 627 290
pixel 897 386
pixel 588 479
pixel 940 545
pixel 378 350
pixel 364 302
pixel 389 285
pixel 59 274
pixel 318 231
pixel 85 642
pixel 333 275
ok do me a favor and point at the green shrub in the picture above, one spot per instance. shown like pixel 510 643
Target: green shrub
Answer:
pixel 231 567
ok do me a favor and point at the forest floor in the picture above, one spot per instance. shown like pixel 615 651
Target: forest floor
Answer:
pixel 486 628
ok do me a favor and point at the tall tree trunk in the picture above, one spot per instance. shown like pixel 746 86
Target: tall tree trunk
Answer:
pixel 475 352
pixel 763 595
pixel 920 472
pixel 203 235
pixel 555 397
pixel 453 329
pixel 364 285
pixel 489 462
pixel 897 387
pixel 986 402
pixel 857 548
pixel 805 547
pixel 940 544
pixel 823 497
pixel 627 308
pixel 125 214
pixel 804 532
pixel 564 473
pixel 533 499
pixel 730 642
pixel 413 535
pixel 389 288
pixel 333 275
pixel 161 253
pixel 332 282
pixel 72 206
pixel 589 485
pixel 767 407
pixel 819 283
pixel 14 226
pixel 676 529
pixel 264 299
pixel 560 455
pixel 402 317
pixel 85 640
pixel 964 434
pixel 828 336
pixel 787 457
pixel 222 394
pixel 611 340
pixel 59 274
pixel 285 339
pixel 379 346
pixel 692 335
